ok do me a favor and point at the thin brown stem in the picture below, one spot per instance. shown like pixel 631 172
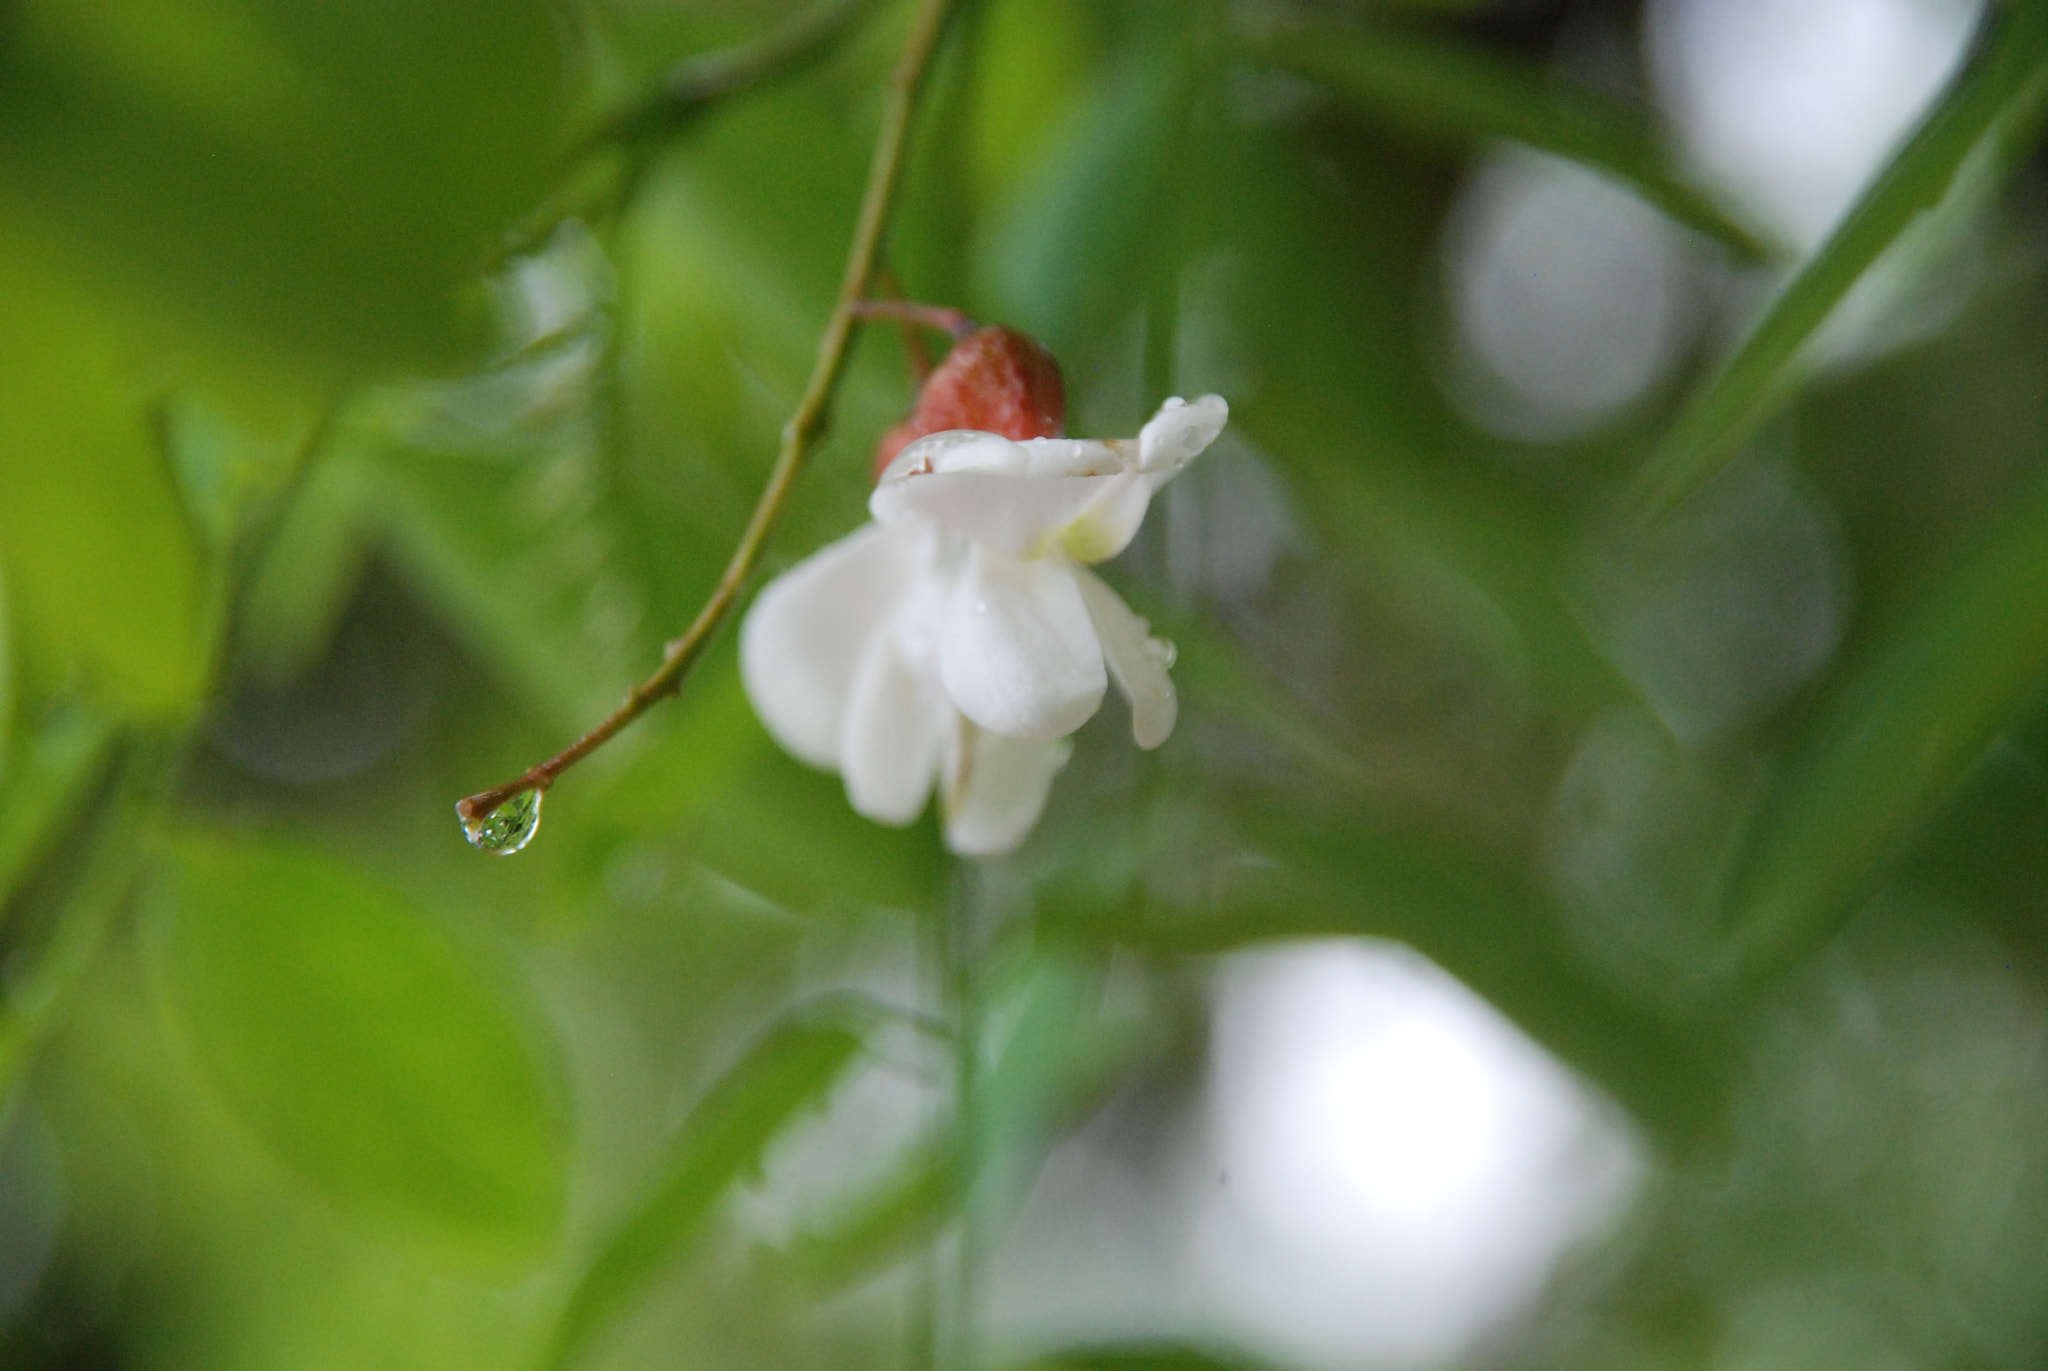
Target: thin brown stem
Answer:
pixel 799 435
pixel 939 318
pixel 913 342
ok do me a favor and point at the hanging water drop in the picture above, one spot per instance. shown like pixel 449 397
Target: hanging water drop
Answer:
pixel 505 829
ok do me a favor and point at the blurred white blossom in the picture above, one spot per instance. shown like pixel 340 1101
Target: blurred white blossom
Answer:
pixel 960 637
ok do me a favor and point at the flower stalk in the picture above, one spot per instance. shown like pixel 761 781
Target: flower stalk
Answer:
pixel 799 435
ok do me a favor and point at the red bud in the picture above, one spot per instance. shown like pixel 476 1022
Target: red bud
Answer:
pixel 996 380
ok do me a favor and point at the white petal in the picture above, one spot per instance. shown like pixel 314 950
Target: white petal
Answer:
pixel 958 451
pixel 805 634
pixel 1017 515
pixel 1137 662
pixel 1017 652
pixel 1180 431
pixel 997 790
pixel 894 727
pixel 1107 526
pixel 927 453
pixel 961 450
pixel 1065 458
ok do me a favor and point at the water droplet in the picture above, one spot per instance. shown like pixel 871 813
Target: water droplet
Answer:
pixel 507 828
pixel 1162 651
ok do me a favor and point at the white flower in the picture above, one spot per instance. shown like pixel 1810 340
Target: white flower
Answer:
pixel 960 637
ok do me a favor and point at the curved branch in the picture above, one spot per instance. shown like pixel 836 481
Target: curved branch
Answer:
pixel 799 435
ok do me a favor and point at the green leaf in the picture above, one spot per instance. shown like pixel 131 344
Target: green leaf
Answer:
pixel 6 683
pixel 1030 62
pixel 327 177
pixel 1295 864
pixel 1984 124
pixel 775 805
pixel 103 569
pixel 695 82
pixel 1988 843
pixel 1444 91
pixel 300 586
pixel 902 1214
pixel 1144 1357
pixel 1897 728
pixel 788 1068
pixel 80 874
pixel 1071 253
pixel 1045 1069
pixel 1481 917
pixel 710 774
pixel 516 578
pixel 59 766
pixel 362 1044
pixel 1049 1053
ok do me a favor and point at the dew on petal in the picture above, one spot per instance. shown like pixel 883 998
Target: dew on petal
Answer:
pixel 507 828
pixel 1162 651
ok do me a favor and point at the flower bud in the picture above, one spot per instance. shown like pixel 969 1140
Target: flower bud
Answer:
pixel 996 380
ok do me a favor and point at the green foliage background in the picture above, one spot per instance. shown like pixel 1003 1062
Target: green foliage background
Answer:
pixel 381 383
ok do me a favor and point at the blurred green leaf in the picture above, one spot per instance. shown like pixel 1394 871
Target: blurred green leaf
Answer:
pixel 686 88
pixel 734 274
pixel 1071 252
pixel 1291 865
pixel 1886 743
pixel 103 567
pixel 239 433
pixel 901 1215
pixel 1324 377
pixel 78 877
pixel 320 176
pixel 1050 1053
pixel 776 805
pixel 1031 61
pixel 1984 124
pixel 745 805
pixel 519 555
pixel 1444 90
pixel 788 1068
pixel 1480 917
pixel 296 593
pixel 368 1049
pixel 1989 844
pixel 59 763
pixel 1144 1357
pixel 6 682
pixel 1046 1067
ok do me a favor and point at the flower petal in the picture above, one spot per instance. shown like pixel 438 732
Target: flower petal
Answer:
pixel 957 451
pixel 997 790
pixel 1179 432
pixel 1013 514
pixel 804 636
pixel 894 728
pixel 1048 459
pixel 1017 653
pixel 1108 524
pixel 1137 661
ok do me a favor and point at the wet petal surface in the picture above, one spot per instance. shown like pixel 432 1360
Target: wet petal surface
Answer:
pixel 889 749
pixel 999 790
pixel 803 639
pixel 1018 654
pixel 1137 661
